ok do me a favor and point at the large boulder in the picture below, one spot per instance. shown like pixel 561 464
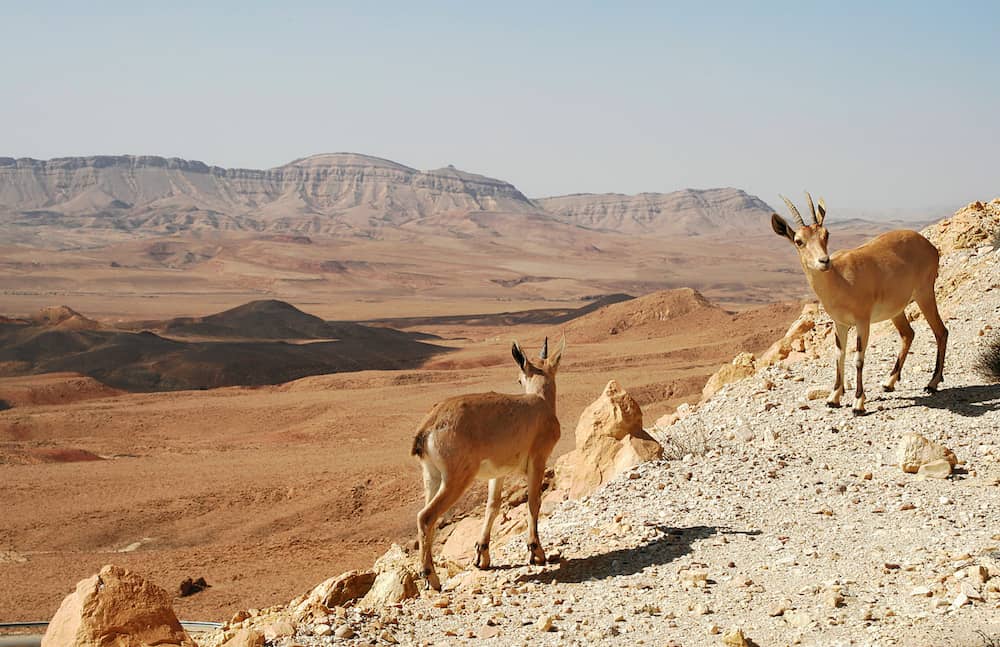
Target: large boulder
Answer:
pixel 395 580
pixel 609 440
pixel 914 451
pixel 116 608
pixel 743 365
pixel 804 338
pixel 334 592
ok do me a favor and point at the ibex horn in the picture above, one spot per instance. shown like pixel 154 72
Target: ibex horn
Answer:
pixel 795 212
pixel 812 208
pixel 545 349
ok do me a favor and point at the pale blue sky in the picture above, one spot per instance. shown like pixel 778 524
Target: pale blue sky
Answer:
pixel 875 107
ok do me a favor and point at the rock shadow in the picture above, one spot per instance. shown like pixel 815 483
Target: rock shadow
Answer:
pixel 671 544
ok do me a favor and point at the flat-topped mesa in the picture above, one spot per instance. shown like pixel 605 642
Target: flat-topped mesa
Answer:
pixel 690 211
pixel 321 193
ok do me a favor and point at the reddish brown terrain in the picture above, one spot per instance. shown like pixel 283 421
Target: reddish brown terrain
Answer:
pixel 205 406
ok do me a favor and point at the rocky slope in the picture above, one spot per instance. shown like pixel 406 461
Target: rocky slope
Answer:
pixel 771 520
pixel 339 192
pixel 684 212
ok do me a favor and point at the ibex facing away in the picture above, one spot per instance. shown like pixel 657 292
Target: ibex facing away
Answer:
pixel 488 436
pixel 868 284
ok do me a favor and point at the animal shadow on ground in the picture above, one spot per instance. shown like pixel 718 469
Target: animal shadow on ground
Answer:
pixel 668 546
pixel 969 401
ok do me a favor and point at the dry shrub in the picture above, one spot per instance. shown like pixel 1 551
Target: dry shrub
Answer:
pixel 681 438
pixel 989 641
pixel 988 364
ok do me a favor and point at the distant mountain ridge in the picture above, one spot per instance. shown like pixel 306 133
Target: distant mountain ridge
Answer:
pixel 687 212
pixel 332 193
pixel 335 193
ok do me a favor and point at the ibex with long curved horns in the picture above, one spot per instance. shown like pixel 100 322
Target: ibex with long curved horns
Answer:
pixel 868 284
pixel 488 436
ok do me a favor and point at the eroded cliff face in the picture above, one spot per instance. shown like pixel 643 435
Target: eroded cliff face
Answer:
pixel 333 193
pixel 337 193
pixel 684 212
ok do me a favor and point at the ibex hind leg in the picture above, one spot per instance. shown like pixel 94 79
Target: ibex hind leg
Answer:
pixel 906 335
pixel 448 494
pixel 432 481
pixel 928 305
pixel 536 473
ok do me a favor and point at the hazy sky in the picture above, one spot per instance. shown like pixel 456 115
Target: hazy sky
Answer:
pixel 875 108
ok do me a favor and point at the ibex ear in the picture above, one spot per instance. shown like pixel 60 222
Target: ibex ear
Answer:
pixel 781 227
pixel 556 357
pixel 519 357
pixel 821 212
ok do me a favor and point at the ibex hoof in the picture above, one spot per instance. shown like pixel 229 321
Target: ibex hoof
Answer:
pixel 431 580
pixel 888 388
pixel 833 405
pixel 537 555
pixel 859 412
pixel 930 389
pixel 482 556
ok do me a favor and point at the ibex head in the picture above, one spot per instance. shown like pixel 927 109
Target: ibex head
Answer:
pixel 537 378
pixel 810 240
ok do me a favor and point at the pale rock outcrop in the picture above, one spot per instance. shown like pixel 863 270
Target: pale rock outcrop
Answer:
pixel 914 450
pixel 459 545
pixel 682 411
pixel 395 580
pixel 609 440
pixel 976 224
pixel 743 365
pixel 116 608
pixel 804 338
pixel 245 637
pixel 333 592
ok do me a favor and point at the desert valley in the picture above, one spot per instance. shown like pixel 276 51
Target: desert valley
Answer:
pixel 217 373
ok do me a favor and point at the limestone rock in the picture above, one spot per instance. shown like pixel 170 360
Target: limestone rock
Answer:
pixel 735 638
pixel 939 469
pixel 116 608
pixel 974 225
pixel 914 450
pixel 245 637
pixel 743 365
pixel 802 339
pixel 609 440
pixel 395 580
pixel 279 628
pixel 463 537
pixel 334 592
pixel 390 587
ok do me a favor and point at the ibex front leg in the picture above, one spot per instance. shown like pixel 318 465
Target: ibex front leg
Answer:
pixel 492 508
pixel 838 385
pixel 859 363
